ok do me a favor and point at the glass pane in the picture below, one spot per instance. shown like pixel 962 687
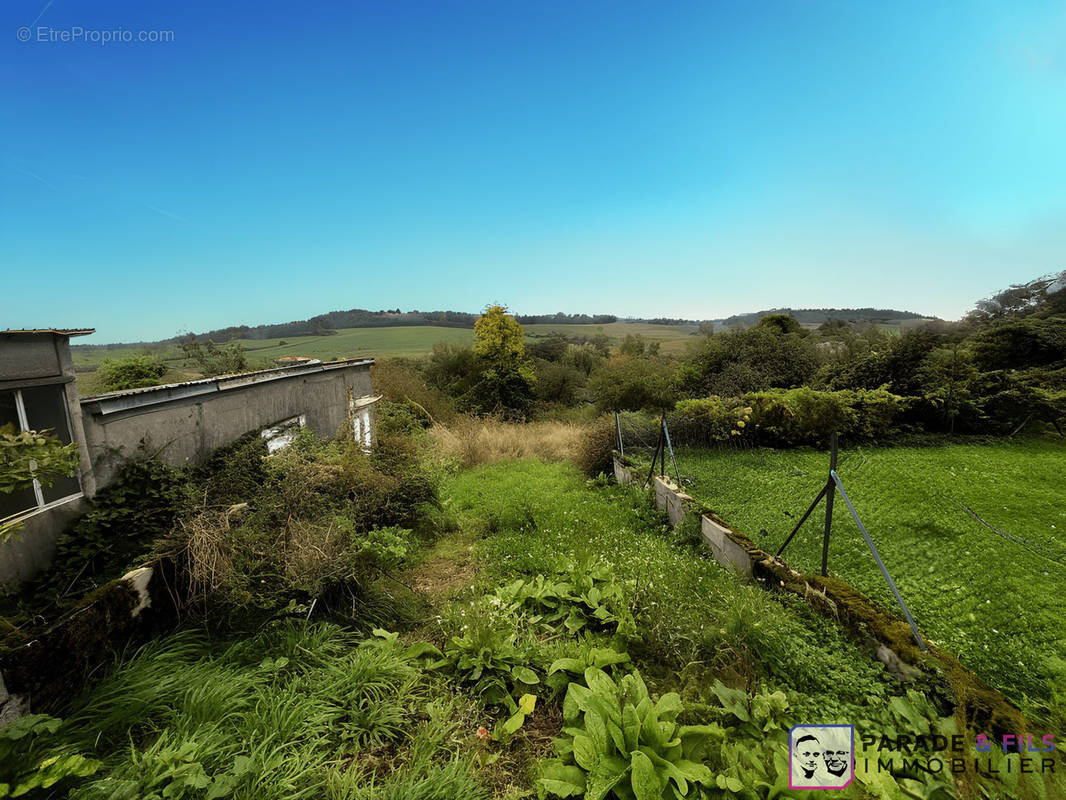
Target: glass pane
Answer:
pixel 46 408
pixel 8 413
pixel 17 502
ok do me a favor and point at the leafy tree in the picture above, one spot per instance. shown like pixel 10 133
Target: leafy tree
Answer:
pixel 1029 342
pixel 451 368
pixel 132 372
pixel 775 353
pixel 559 383
pixel 505 382
pixel 498 338
pixel 948 375
pixel 215 359
pixel 625 383
pixel 636 345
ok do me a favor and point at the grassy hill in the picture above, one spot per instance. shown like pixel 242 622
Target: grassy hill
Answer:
pixel 389 342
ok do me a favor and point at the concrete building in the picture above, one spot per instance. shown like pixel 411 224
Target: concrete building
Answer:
pixel 182 423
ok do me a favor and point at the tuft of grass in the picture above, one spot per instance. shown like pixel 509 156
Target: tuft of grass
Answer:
pixel 280 715
pixel 471 442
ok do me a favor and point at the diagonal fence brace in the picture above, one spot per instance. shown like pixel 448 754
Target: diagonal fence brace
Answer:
pixel 877 558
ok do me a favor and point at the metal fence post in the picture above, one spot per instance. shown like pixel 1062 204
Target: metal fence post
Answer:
pixel 829 504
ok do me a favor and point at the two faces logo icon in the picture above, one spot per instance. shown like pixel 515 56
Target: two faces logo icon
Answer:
pixel 821 756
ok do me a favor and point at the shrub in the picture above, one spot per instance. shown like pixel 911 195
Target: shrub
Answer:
pixel 319 519
pixel 132 372
pixel 618 742
pixel 596 447
pixel 398 381
pixel 716 418
pixel 626 383
pixel 559 383
pixel 787 417
pixel 215 359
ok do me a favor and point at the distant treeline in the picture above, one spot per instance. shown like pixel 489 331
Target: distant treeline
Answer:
pixel 329 323
pixel 326 324
pixel 820 315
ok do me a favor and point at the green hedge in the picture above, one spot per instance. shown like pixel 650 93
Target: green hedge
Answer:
pixel 795 416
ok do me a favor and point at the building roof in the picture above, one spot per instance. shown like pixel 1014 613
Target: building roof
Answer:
pixel 58 331
pixel 104 404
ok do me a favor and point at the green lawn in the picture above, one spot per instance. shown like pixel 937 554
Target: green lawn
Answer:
pixel 996 603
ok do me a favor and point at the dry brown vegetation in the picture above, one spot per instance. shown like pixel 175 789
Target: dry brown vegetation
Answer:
pixel 484 441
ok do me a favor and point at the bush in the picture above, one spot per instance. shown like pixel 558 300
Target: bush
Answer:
pixel 716 418
pixel 596 447
pixel 319 519
pixel 132 372
pixel 559 383
pixel 786 417
pixel 215 359
pixel 398 381
pixel 626 383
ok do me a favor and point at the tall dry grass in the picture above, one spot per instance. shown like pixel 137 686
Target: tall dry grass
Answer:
pixel 483 441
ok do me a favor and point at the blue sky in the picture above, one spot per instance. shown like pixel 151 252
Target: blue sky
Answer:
pixel 278 160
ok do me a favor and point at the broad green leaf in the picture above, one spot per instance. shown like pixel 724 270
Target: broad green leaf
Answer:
pixel 31 723
pixel 669 705
pixel 567 664
pixel 420 650
pixel 615 732
pixel 643 778
pixel 600 682
pixel 597 731
pixel 650 731
pixel 574 622
pixel 525 675
pixel 585 753
pixel 608 773
pixel 561 779
pixel 526 703
pixel 630 728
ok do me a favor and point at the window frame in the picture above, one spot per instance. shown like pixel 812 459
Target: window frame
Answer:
pixel 24 425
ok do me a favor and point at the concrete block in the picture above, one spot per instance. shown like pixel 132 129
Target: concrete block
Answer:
pixel 672 500
pixel 139 579
pixel 12 706
pixel 723 548
pixel 623 475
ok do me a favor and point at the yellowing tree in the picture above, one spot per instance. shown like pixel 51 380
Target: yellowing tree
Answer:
pixel 499 338
pixel 505 381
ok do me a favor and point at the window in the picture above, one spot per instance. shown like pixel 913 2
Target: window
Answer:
pixel 37 408
pixel 280 436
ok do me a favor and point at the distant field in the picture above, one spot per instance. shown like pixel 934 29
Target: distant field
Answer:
pixel 672 338
pixel 412 341
pixel 999 604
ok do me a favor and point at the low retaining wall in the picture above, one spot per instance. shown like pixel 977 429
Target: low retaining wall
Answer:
pixel 888 638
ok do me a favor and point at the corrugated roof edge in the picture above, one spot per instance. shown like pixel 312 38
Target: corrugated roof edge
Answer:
pixel 60 331
pixel 170 391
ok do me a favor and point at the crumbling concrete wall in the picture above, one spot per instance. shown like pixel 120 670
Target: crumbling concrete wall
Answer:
pixel 185 423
